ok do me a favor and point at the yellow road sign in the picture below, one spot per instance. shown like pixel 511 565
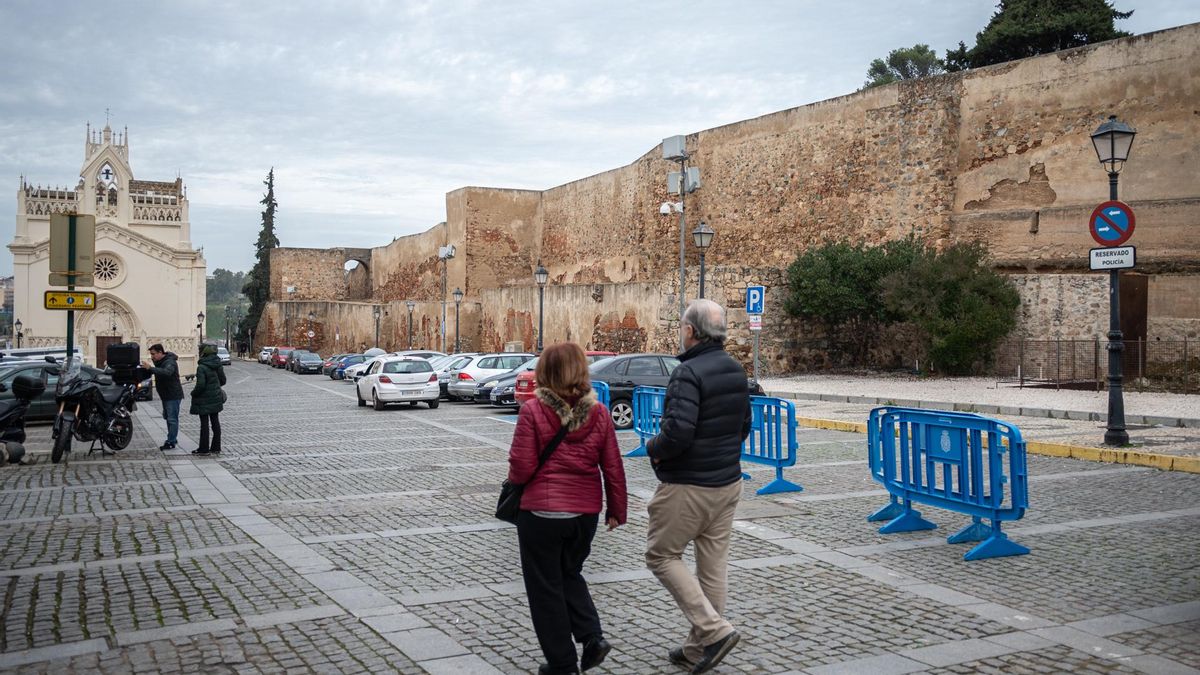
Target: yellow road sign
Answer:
pixel 76 300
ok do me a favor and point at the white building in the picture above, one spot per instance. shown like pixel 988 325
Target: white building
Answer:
pixel 149 281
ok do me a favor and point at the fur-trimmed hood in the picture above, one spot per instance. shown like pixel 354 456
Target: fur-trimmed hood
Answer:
pixel 571 416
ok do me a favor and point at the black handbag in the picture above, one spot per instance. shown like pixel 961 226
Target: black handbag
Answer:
pixel 508 506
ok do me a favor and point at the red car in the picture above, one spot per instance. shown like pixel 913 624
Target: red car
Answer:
pixel 526 382
pixel 280 356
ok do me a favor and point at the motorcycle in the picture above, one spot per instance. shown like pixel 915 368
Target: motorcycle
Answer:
pixel 12 417
pixel 91 411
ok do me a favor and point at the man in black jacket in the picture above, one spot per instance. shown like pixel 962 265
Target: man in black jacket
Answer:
pixel 170 390
pixel 697 458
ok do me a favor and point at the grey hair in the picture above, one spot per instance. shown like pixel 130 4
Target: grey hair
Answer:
pixel 707 320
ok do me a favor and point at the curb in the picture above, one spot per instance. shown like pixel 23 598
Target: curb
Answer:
pixel 989 409
pixel 1187 464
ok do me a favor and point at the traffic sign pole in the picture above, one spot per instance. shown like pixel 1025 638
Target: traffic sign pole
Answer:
pixel 71 287
pixel 1116 433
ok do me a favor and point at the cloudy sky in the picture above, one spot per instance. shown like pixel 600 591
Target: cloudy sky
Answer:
pixel 371 110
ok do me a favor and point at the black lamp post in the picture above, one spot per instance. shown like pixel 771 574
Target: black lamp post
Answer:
pixel 1112 141
pixel 228 317
pixel 411 306
pixel 702 236
pixel 18 326
pixel 311 318
pixel 458 296
pixel 541 276
pixel 376 313
pixel 200 329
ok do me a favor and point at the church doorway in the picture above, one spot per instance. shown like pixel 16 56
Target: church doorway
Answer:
pixel 102 343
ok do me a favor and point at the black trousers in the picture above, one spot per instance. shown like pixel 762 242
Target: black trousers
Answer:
pixel 216 432
pixel 552 555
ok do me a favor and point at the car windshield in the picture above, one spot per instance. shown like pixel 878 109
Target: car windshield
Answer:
pixel 406 367
pixel 285 352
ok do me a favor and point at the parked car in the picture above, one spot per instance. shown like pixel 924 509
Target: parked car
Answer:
pixel 307 362
pixel 339 370
pixel 463 378
pixel 223 354
pixel 483 390
pixel 290 364
pixel 398 379
pixel 527 381
pixel 43 407
pixel 330 363
pixel 446 366
pixel 264 354
pixel 279 356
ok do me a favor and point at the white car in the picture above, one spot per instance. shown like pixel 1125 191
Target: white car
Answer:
pixel 398 379
pixel 264 354
pixel 223 354
pixel 465 376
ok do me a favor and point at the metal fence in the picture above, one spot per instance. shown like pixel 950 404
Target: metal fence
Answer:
pixel 1147 365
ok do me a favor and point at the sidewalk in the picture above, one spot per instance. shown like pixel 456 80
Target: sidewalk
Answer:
pixel 1159 424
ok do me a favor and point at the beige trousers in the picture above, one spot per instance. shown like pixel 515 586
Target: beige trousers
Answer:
pixel 680 514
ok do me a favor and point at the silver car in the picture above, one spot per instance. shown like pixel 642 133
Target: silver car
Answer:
pixel 465 376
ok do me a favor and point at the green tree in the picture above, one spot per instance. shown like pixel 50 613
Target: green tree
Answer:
pixel 258 282
pixel 908 63
pixel 1022 28
pixel 225 286
pixel 841 285
pixel 962 306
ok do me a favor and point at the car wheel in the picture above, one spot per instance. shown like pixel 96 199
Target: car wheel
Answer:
pixel 622 413
pixel 361 402
pixel 379 405
pixel 434 403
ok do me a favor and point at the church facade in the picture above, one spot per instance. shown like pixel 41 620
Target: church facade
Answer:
pixel 149 280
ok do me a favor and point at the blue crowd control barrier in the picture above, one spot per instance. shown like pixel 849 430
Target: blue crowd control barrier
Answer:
pixel 772 439
pixel 647 415
pixel 602 392
pixel 956 461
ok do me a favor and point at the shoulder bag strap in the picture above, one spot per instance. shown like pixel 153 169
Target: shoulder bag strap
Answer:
pixel 562 432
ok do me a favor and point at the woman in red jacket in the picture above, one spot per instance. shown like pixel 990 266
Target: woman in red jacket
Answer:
pixel 561 503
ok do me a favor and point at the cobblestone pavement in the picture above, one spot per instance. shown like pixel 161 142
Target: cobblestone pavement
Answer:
pixel 331 538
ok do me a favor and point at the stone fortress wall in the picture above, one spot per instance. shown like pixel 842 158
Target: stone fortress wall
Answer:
pixel 999 154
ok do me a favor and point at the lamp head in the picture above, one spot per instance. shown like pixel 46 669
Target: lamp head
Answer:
pixel 312 317
pixel 411 305
pixel 1112 141
pixel 18 325
pixel 540 275
pixel 703 235
pixel 665 209
pixel 458 295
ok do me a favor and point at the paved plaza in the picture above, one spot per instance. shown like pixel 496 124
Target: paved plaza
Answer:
pixel 330 538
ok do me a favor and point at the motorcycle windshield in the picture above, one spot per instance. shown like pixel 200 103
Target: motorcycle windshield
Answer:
pixel 69 373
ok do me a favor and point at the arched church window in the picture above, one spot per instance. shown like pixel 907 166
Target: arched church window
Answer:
pixel 112 196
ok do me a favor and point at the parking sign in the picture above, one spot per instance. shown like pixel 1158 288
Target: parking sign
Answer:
pixel 756 298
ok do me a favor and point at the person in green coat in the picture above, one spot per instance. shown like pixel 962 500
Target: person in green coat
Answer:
pixel 208 400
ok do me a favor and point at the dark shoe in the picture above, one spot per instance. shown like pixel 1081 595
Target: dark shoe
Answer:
pixel 214 451
pixel 545 669
pixel 167 446
pixel 714 653
pixel 677 657
pixel 593 653
pixel 201 451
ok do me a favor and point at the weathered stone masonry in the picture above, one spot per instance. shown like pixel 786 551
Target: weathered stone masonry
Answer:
pixel 999 154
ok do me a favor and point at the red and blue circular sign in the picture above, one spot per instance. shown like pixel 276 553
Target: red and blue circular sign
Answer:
pixel 1112 223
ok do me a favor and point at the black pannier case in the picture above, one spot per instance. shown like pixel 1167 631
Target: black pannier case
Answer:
pixel 124 355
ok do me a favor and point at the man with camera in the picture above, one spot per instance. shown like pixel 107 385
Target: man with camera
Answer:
pixel 165 368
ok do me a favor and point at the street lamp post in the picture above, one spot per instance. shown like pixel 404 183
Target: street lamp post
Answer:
pixel 311 318
pixel 228 317
pixel 445 253
pixel 541 276
pixel 18 326
pixel 411 306
pixel 458 296
pixel 199 329
pixel 1112 141
pixel 702 236
pixel 685 181
pixel 376 312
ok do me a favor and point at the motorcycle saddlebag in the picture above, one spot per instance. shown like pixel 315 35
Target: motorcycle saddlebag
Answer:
pixel 28 387
pixel 124 355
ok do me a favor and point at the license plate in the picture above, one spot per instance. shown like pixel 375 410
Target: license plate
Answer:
pixel 411 392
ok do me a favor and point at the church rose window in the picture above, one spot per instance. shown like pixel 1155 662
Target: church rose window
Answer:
pixel 106 268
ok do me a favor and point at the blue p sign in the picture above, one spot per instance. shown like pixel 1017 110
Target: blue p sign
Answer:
pixel 755 299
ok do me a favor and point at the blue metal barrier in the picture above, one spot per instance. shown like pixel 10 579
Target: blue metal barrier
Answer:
pixel 772 439
pixel 648 405
pixel 977 457
pixel 602 392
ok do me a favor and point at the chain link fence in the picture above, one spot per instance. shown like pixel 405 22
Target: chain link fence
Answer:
pixel 1147 365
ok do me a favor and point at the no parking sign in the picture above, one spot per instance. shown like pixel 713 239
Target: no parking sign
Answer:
pixel 1111 223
